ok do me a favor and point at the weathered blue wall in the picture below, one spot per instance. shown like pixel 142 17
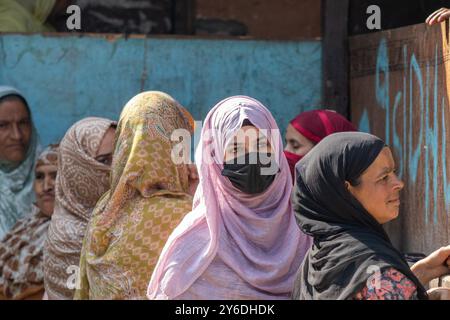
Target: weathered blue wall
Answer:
pixel 66 78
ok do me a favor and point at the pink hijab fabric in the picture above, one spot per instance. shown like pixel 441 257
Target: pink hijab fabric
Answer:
pixel 255 237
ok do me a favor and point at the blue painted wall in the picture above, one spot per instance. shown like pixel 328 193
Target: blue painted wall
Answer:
pixel 66 78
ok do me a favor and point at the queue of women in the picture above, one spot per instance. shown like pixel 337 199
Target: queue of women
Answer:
pixel 250 220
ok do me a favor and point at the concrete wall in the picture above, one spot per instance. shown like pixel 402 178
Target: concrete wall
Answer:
pixel 66 78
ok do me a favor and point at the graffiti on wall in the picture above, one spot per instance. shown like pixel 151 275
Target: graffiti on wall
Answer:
pixel 399 91
pixel 425 138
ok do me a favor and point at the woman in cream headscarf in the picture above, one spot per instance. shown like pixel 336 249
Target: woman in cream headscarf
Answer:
pixel 18 151
pixel 148 198
pixel 83 168
pixel 21 250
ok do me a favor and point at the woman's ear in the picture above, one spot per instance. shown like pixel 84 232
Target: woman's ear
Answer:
pixel 347 185
pixel 350 188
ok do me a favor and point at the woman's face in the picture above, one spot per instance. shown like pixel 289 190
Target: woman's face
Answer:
pixel 247 139
pixel 15 130
pixel 296 142
pixel 379 188
pixel 44 188
pixel 106 148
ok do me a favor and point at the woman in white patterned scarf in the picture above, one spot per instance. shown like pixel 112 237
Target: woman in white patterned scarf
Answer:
pixel 84 165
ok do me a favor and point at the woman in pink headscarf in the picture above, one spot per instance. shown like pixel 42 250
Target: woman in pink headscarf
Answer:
pixel 240 241
pixel 308 129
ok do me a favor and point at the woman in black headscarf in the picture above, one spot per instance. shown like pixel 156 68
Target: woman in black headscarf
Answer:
pixel 346 189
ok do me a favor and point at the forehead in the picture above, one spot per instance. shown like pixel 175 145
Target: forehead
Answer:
pixel 249 133
pixel 107 142
pixel 110 134
pixel 293 134
pixel 46 168
pixel 12 110
pixel 382 161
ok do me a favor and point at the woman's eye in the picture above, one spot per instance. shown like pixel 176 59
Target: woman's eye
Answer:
pixel 39 176
pixel 102 160
pixel 295 146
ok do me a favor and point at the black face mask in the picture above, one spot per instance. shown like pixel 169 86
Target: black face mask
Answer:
pixel 247 177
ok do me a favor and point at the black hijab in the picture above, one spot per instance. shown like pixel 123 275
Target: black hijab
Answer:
pixel 348 241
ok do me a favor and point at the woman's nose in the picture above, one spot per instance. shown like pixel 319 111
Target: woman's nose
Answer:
pixel 48 184
pixel 16 133
pixel 398 183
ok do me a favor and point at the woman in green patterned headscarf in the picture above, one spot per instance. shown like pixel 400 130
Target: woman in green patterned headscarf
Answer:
pixel 149 196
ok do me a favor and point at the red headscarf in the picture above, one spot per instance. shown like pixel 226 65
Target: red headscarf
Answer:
pixel 316 125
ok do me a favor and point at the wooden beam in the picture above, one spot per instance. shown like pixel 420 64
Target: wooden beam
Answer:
pixel 184 14
pixel 335 59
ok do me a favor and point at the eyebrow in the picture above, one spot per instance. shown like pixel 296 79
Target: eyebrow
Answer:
pixel 27 118
pixel 37 171
pixel 385 171
pixel 104 155
pixel 259 139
